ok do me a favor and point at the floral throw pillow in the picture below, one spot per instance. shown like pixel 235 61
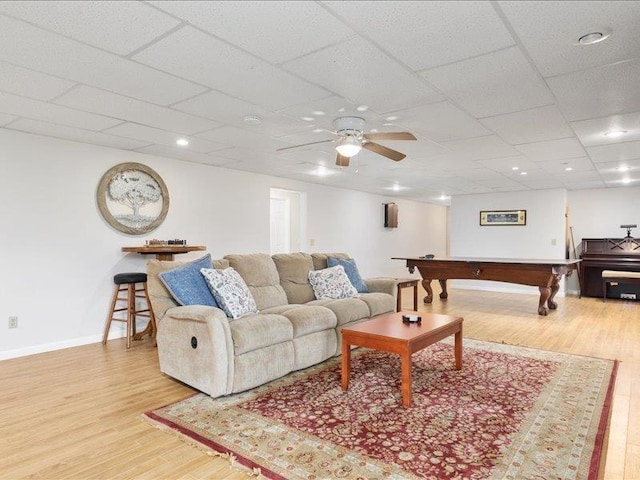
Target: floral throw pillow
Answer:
pixel 230 291
pixel 331 282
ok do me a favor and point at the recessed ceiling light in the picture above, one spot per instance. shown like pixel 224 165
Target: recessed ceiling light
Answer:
pixel 523 173
pixel 515 168
pixel 568 169
pixel 363 108
pixel 626 180
pixel 615 133
pixel 252 120
pixel 317 130
pixel 443 197
pixel 593 37
pixel 307 119
pixel 374 130
pixel 317 112
pixel 387 124
pixel 322 171
pixel 623 168
pixel 183 142
pixel 391 118
pixel 341 110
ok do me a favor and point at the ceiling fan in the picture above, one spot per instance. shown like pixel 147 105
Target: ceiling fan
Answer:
pixel 351 138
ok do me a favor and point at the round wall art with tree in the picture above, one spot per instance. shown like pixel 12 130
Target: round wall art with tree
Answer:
pixel 133 198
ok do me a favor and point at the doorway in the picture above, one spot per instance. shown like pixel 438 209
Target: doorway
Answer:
pixel 287 220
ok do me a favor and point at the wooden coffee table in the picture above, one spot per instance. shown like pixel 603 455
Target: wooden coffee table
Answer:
pixel 388 333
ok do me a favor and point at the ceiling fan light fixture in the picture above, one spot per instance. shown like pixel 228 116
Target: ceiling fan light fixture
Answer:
pixel 348 146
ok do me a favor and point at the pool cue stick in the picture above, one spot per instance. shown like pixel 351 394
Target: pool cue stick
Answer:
pixel 575 255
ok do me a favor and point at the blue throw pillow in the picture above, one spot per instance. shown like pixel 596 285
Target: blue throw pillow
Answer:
pixel 351 270
pixel 187 285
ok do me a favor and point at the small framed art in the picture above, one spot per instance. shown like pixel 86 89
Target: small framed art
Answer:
pixel 503 217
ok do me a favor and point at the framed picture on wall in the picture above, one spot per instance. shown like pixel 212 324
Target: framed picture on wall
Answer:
pixel 503 217
pixel 133 198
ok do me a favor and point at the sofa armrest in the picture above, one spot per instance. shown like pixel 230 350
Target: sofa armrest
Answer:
pixel 197 313
pixel 195 347
pixel 382 285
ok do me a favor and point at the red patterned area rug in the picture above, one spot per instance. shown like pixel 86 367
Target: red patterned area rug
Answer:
pixel 510 413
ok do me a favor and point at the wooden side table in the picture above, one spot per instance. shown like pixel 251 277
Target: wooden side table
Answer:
pixel 404 283
pixel 163 252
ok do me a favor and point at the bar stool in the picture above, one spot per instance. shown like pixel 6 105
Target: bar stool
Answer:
pixel 128 283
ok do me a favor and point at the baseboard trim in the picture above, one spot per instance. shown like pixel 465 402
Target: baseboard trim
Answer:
pixel 524 290
pixel 50 347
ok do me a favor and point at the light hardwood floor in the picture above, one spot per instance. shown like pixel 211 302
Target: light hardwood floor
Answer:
pixel 75 413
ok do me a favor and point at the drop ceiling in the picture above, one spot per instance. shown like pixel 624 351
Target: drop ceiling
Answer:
pixel 500 95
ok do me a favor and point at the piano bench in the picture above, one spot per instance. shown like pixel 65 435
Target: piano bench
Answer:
pixel 609 276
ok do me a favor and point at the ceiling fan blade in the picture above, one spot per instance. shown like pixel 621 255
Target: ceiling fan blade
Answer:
pixel 304 145
pixel 389 136
pixel 342 161
pixel 382 150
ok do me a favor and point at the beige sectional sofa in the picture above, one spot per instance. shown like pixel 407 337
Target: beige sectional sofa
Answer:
pixel 201 347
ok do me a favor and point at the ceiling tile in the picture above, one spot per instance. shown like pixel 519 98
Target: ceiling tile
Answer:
pixel 628 180
pixel 480 148
pixel 56 55
pixel 120 27
pixel 249 156
pixel 5 119
pixel 238 137
pixel 440 122
pixel 265 29
pixel 508 165
pixel 598 92
pixel 26 107
pixel 360 72
pixel 321 113
pixel 447 163
pixel 162 137
pixel 552 149
pixel 584 185
pixel 550 30
pixel 619 168
pixel 232 111
pixel 219 107
pixel 27 83
pixel 74 134
pixel 195 55
pixel 615 152
pixel 535 125
pixel 125 108
pixel 591 132
pixel 433 33
pixel 201 67
pixel 492 84
pixel 188 155
pixel 559 167
pixel 423 149
pixel 542 183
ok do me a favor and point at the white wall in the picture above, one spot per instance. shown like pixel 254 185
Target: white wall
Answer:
pixel 545 226
pixel 59 255
pixel 599 214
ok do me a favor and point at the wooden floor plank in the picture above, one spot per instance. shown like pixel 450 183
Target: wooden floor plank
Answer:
pixel 75 413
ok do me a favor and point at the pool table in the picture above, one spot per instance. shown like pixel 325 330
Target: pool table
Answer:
pixel 544 274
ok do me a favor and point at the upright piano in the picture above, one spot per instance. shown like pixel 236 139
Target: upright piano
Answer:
pixel 600 254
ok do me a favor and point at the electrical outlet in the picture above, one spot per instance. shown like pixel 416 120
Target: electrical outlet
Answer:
pixel 13 322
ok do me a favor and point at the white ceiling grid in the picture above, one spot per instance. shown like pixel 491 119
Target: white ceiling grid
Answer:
pixel 490 89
